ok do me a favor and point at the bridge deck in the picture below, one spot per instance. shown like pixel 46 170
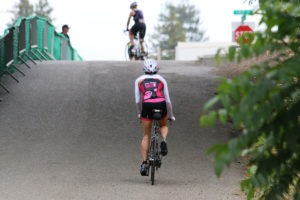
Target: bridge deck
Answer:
pixel 69 130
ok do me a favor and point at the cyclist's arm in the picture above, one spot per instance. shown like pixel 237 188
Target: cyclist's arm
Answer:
pixel 130 15
pixel 138 97
pixel 168 100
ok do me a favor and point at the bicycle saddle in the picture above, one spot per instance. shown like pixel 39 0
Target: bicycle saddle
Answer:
pixel 157 114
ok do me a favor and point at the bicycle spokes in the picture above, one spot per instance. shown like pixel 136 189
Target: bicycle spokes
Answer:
pixel 154 157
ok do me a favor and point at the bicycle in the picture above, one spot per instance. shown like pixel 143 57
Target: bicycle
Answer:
pixel 136 51
pixel 154 155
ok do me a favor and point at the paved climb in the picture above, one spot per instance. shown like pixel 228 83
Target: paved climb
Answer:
pixel 69 130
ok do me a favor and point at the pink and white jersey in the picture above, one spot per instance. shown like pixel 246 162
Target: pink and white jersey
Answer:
pixel 153 88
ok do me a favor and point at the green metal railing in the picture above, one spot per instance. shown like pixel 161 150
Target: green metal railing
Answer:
pixel 30 39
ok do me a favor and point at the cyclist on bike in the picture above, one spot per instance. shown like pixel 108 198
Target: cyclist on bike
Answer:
pixel 138 27
pixel 155 95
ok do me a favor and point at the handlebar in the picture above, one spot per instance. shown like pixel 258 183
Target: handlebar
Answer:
pixel 125 32
pixel 170 122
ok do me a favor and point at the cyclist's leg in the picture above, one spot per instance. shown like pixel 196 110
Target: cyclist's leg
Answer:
pixel 132 32
pixel 163 128
pixel 147 125
pixel 145 146
pixel 142 45
pixel 131 45
pixel 164 134
pixel 131 37
pixel 163 122
pixel 142 36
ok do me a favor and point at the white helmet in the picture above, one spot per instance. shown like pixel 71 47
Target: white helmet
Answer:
pixel 150 66
pixel 132 5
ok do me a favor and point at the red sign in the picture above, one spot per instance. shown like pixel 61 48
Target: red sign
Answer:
pixel 240 31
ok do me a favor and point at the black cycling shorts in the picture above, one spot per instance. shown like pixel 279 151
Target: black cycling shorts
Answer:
pixel 147 109
pixel 139 27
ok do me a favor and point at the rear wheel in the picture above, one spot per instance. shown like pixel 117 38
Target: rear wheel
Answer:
pixel 152 164
pixel 152 174
pixel 128 55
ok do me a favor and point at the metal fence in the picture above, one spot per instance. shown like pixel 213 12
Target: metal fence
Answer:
pixel 28 40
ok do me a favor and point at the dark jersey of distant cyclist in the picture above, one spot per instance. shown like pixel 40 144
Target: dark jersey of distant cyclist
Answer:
pixel 138 17
pixel 139 25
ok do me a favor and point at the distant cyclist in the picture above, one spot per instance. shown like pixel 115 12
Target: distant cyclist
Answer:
pixel 155 95
pixel 138 27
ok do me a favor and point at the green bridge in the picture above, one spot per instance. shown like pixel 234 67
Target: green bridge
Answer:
pixel 28 40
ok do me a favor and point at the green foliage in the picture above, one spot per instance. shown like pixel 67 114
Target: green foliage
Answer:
pixel 176 23
pixel 264 103
pixel 24 9
pixel 43 9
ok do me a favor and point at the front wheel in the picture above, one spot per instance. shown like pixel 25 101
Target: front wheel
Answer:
pixel 152 174
pixel 127 53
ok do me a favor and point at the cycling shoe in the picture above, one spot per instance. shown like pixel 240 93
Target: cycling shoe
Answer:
pixel 164 148
pixel 144 170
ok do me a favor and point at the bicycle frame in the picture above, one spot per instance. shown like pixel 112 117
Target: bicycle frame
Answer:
pixel 154 157
pixel 154 141
pixel 136 51
pixel 138 48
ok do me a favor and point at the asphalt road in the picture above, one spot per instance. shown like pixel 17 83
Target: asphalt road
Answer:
pixel 69 131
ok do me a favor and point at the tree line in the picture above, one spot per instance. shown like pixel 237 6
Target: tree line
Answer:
pixel 24 9
pixel 177 23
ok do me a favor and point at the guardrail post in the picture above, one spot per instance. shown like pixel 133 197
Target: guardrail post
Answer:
pixel 64 48
pixel 9 53
pixel 57 46
pixel 40 33
pixel 33 37
pixel 45 49
pixel 2 63
pixel 22 42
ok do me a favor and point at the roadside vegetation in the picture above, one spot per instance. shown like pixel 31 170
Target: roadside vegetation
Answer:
pixel 262 98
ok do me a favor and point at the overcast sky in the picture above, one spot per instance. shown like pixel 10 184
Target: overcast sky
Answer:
pixel 97 26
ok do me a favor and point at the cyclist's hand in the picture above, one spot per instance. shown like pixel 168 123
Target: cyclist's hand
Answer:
pixel 172 119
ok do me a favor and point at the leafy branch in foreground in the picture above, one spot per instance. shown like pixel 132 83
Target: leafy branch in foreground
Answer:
pixel 264 102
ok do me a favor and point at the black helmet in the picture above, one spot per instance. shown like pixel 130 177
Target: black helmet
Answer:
pixel 132 5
